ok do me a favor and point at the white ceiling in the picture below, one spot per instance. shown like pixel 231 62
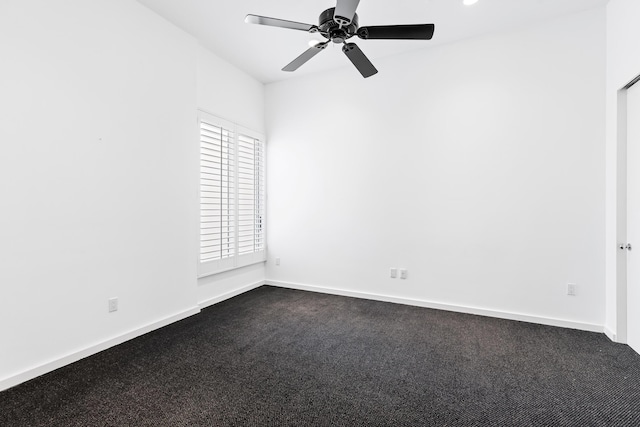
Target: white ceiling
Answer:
pixel 262 51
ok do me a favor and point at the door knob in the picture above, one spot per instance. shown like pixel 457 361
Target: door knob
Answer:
pixel 628 246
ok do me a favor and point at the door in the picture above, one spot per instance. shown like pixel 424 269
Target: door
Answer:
pixel 633 217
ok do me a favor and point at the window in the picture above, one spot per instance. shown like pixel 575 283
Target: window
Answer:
pixel 232 196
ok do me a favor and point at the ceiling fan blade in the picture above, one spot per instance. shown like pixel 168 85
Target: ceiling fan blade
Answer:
pixel 359 59
pixel 398 32
pixel 345 9
pixel 306 55
pixel 275 22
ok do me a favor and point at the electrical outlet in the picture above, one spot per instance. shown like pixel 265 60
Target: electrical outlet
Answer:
pixel 113 304
pixel 571 289
pixel 394 273
pixel 403 273
pixel 277 261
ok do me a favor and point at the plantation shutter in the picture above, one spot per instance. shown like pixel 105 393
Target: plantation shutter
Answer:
pixel 232 196
pixel 217 194
pixel 250 194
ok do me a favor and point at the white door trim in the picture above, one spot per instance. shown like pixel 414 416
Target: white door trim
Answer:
pixel 621 218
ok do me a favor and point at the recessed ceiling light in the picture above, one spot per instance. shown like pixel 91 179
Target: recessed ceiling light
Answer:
pixel 469 2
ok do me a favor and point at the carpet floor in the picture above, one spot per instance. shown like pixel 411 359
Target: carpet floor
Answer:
pixel 281 357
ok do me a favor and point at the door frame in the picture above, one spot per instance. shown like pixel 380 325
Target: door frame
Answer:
pixel 621 219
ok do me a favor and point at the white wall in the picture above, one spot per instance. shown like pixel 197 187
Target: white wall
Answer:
pixel 478 166
pixel 97 184
pixel 226 91
pixel 98 176
pixel 623 65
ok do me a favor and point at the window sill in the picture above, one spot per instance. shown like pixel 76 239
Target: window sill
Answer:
pixel 226 270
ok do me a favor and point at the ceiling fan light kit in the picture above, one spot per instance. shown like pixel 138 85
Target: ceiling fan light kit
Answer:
pixel 338 24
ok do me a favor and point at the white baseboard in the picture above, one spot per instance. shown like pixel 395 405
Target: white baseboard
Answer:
pixel 228 295
pixel 612 335
pixel 93 349
pixel 447 307
pixel 32 373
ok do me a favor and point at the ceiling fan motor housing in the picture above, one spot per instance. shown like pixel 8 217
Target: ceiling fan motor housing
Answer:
pixel 332 30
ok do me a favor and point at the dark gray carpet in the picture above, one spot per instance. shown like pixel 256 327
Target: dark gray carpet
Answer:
pixel 279 357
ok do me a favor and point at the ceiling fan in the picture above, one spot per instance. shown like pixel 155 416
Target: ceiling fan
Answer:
pixel 340 23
